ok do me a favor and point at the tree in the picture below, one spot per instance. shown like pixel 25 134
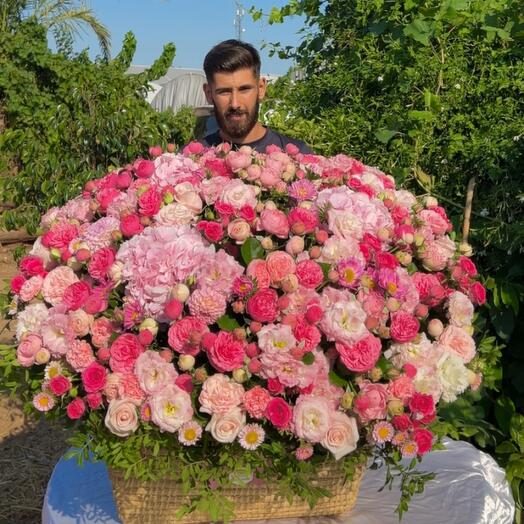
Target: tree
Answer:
pixel 64 18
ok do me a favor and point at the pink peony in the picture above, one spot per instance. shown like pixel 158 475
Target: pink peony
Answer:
pixel 130 225
pixel 227 353
pixel 404 327
pixel 371 402
pixel 30 288
pixel 185 335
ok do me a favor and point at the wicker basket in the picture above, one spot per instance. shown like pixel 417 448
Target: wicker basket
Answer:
pixel 156 502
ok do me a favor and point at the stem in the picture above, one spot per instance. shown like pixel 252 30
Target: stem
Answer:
pixel 467 210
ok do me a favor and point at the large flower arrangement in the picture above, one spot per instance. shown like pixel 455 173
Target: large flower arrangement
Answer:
pixel 217 313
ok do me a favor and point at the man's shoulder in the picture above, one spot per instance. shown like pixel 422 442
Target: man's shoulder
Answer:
pixel 278 139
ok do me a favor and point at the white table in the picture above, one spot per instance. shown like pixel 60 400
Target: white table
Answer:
pixel 470 488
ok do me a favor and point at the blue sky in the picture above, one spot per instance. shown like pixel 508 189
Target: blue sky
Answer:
pixel 194 26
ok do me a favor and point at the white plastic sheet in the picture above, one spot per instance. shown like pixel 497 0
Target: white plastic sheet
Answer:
pixel 470 488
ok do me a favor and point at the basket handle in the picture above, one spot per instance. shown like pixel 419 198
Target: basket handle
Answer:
pixel 465 247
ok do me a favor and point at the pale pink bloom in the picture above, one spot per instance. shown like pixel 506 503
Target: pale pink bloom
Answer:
pixel 276 339
pixel 219 271
pixel 57 334
pixel 43 401
pixel 453 376
pixel 344 322
pixel 30 288
pixel 186 195
pixel 220 394
pixel 50 216
pixel 123 204
pixel 153 372
pixel 383 432
pixel 174 215
pixel 31 319
pixel 80 322
pixel 304 452
pixel 460 309
pixel 56 282
pixel 437 253
pixel 172 169
pixel 257 269
pixel 371 402
pixel 311 418
pixel 336 249
pixel 342 435
pixel 455 339
pixel 99 234
pixel 111 385
pixel 78 208
pixel 409 449
pixel 405 198
pixel 224 428
pixel 170 408
pixel 212 188
pixel 101 331
pixel 238 194
pixel 121 418
pixel 279 264
pixel 27 349
pixel 207 305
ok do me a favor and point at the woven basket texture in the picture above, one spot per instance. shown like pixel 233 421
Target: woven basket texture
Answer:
pixel 156 502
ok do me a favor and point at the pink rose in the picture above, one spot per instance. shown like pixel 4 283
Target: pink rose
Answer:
pixel 279 413
pixel 100 262
pixel 362 356
pixel 76 408
pixel 227 353
pixel 76 294
pixel 56 282
pixel 274 222
pixel 130 225
pixel 424 439
pixel 30 288
pixel 257 269
pixel 185 335
pixel 220 394
pixel 305 219
pixel 106 196
pixel 456 340
pixel 239 230
pixel 31 266
pixel 144 168
pixel 279 265
pixel 401 422
pixel 256 400
pixel 371 402
pixel 124 351
pixel 121 418
pixel 477 293
pixel 438 253
pixel 94 377
pixel 262 306
pixel 212 230
pixel 402 388
pixel 94 400
pixel 59 385
pixel 185 382
pixel 101 331
pixel 27 349
pixel 311 418
pixel 309 273
pixel 467 266
pixel 16 283
pixel 342 435
pixel 60 236
pixel 434 221
pixel 423 407
pixel 149 202
pixel 224 428
pixel 404 327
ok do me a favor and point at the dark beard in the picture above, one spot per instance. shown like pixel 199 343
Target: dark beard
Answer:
pixel 237 130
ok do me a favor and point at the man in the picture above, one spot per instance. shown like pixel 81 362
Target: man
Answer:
pixel 235 89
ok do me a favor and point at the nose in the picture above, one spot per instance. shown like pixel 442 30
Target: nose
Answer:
pixel 234 101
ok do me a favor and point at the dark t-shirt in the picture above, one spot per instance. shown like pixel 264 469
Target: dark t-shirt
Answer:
pixel 270 138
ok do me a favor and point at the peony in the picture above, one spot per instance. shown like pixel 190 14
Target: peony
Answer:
pixel 56 282
pixel 224 428
pixel 153 372
pixel 311 418
pixel 121 418
pixel 184 336
pixel 27 350
pixel 371 402
pixel 279 264
pixel 220 394
pixel 170 408
pixel 342 435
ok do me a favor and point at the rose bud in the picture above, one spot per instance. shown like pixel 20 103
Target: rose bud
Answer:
pixel 238 306
pixel 314 313
pixel 103 354
pixel 180 292
pixel 315 252
pixel 173 309
pixel 333 275
pixel 252 350
pixel 240 375
pixel 255 326
pixel 171 148
pixel 145 337
pixel 42 356
pixel 430 201
pixel 83 255
pixel 321 236
pixel 375 374
pixel 186 362
pixel 200 375
pixel 347 400
pixel 395 407
pixel 166 355
pixel 421 311
pixel 254 366
pixel 239 333
pixel 267 243
pixel 435 327
pixel 149 324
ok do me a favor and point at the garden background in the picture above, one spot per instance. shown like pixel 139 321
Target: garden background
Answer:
pixel 431 92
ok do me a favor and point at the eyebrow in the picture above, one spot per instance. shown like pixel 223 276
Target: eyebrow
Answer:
pixel 243 86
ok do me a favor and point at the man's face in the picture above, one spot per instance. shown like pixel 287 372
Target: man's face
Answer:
pixel 235 97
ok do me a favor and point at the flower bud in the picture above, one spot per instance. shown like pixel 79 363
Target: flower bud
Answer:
pixel 200 375
pixel 173 309
pixel 321 236
pixel 238 306
pixel 289 283
pixel 180 292
pixel 435 327
pixel 392 304
pixel 395 407
pixel 347 400
pixel 315 252
pixel 115 271
pixel 298 228
pixel 254 366
pixel 240 375
pixel 171 148
pixel 421 311
pixel 295 245
pixel 255 326
pixel 383 234
pixel 42 356
pixel 150 324
pixel 267 243
pixel 252 350
pixel 375 374
pixel 186 362
pixel 333 275
pixel 430 201
pixel 239 333
pixel 166 354
pixel 270 205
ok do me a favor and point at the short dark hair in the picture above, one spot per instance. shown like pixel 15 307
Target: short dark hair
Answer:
pixel 230 56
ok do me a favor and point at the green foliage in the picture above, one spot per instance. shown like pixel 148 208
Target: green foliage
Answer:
pixel 69 119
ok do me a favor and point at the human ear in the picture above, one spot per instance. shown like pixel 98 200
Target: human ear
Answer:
pixel 208 93
pixel 262 85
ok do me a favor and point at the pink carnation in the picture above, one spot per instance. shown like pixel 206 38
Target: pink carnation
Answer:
pixel 185 335
pixel 80 355
pixel 256 400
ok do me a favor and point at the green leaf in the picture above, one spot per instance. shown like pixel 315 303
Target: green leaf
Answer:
pixel 517 430
pixel 385 135
pixel 336 380
pixel 419 30
pixel 308 358
pixel 227 323
pixel 503 321
pixel 421 115
pixel 251 249
pixel 504 410
pixel 510 296
pixel 506 447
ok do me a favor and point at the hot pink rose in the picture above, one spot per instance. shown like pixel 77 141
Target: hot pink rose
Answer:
pixel 59 385
pixel 422 406
pixel 212 230
pixel 274 222
pixel 404 327
pixel 401 422
pixel 94 400
pixel 279 265
pixel 371 402
pixel 60 236
pixel 402 388
pixel 279 413
pixel 27 349
pixel 144 168
pixel 306 219
pixel 76 408
pixel 424 439
pixel 94 377
pixel 100 262
pixel 185 382
pixel 105 196
pixel 149 202
pixel 467 266
pixel 32 266
pixel 227 353
pixel 256 400
pixel 362 356
pixel 16 283
pixel 130 225
pixel 309 273
pixel 477 293
pixel 262 306
pixel 124 351
pixel 257 269
pixel 185 335
pixel 76 294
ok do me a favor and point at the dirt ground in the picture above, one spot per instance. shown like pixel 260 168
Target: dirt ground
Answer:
pixel 29 448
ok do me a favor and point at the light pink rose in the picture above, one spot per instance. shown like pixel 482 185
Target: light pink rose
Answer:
pixel 239 230
pixel 455 339
pixel 402 388
pixel 186 195
pixel 27 349
pixel 80 322
pixel 371 402
pixel 342 435
pixel 174 214
pixel 30 288
pixel 434 221
pixel 279 265
pixel 56 282
pixel 460 309
pixel 224 428
pixel 153 372
pixel 238 194
pixel 311 418
pixel 257 268
pixel 437 253
pixel 220 394
pixel 121 418
pixel 274 222
pixel 362 355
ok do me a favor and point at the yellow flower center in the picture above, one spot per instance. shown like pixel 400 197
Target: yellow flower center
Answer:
pixel 252 437
pixel 349 275
pixel 190 434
